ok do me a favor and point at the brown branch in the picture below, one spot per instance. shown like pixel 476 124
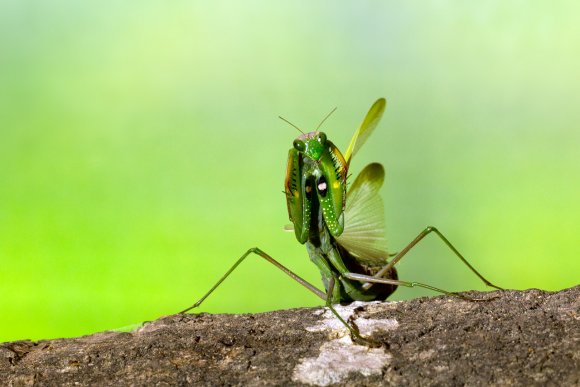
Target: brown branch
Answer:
pixel 521 337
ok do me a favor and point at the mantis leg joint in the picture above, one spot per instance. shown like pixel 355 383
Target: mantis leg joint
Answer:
pixel 429 229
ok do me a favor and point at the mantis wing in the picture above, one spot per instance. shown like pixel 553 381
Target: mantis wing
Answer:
pixel 365 129
pixel 364 223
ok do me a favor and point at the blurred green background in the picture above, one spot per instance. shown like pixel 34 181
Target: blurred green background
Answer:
pixel 141 153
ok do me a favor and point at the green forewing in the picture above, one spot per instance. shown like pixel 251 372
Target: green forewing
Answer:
pixel 365 129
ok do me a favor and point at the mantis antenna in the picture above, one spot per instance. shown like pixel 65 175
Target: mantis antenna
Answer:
pixel 324 119
pixel 290 123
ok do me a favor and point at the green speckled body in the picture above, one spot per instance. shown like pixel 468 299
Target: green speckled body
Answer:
pixel 315 188
pixel 315 168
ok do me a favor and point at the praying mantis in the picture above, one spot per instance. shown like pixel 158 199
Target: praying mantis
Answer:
pixel 343 230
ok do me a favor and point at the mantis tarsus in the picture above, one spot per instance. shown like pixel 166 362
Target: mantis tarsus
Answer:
pixel 344 233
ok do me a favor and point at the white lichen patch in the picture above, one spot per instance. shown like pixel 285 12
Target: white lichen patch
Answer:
pixel 330 322
pixel 337 359
pixel 366 326
pixel 340 356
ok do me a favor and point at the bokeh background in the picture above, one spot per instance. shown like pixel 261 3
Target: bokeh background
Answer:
pixel 141 153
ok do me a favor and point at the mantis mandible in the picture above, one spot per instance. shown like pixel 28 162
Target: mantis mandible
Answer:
pixel 344 231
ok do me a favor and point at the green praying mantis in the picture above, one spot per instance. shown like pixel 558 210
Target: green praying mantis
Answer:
pixel 344 231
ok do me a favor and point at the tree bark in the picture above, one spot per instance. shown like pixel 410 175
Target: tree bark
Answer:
pixel 526 338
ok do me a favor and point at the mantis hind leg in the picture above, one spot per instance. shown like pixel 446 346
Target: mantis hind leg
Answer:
pixel 367 279
pixel 260 253
pixel 387 268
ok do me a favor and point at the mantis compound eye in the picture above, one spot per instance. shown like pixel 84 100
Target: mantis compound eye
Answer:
pixel 299 145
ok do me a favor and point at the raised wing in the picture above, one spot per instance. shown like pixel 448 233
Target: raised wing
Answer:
pixel 364 223
pixel 365 129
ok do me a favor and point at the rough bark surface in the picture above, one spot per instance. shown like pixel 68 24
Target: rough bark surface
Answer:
pixel 515 338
